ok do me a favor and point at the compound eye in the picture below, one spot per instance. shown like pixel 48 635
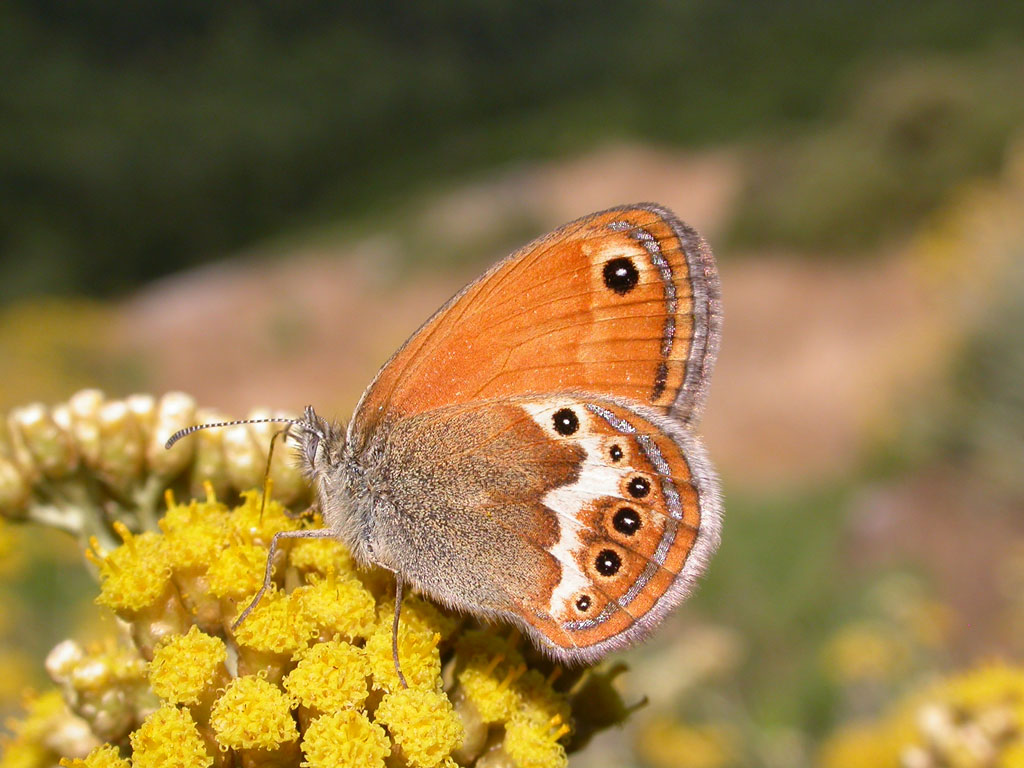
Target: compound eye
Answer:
pixel 312 448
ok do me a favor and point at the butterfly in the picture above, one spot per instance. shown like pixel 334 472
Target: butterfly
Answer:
pixel 529 454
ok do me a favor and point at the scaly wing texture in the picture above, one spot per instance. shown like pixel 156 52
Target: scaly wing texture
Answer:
pixel 624 303
pixel 582 518
pixel 636 527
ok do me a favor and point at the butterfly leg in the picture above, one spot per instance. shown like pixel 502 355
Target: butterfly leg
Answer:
pixel 394 631
pixel 268 575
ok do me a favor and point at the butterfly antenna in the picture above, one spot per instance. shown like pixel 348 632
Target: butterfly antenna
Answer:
pixel 394 631
pixel 217 424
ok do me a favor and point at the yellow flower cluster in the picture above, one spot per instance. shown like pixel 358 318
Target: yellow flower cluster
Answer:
pixel 308 679
pixel 76 465
pixel 972 720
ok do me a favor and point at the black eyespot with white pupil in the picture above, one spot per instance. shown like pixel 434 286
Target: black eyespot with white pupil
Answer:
pixel 583 603
pixel 566 422
pixel 621 276
pixel 626 521
pixel 608 562
pixel 615 452
pixel 639 487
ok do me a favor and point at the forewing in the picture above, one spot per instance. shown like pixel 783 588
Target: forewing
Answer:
pixel 623 303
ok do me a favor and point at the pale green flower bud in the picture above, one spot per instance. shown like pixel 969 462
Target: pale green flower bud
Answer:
pixel 143 408
pixel 246 463
pixel 14 489
pixel 18 448
pixel 175 411
pixel 50 447
pixel 121 448
pixel 85 425
pixel 209 462
pixel 289 484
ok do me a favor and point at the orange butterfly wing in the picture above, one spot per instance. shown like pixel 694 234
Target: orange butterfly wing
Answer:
pixel 623 303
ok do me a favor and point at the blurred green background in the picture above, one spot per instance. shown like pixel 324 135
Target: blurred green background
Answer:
pixel 312 179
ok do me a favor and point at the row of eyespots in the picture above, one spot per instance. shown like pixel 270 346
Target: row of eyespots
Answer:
pixel 626 520
pixel 607 563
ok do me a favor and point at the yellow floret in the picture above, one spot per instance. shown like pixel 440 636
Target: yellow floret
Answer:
pixel 187 666
pixel 345 739
pixel 238 571
pixel 538 701
pixel 324 556
pixel 341 608
pixel 533 745
pixel 258 528
pixel 135 575
pixel 104 756
pixel 277 625
pixel 195 534
pixel 423 723
pixel 169 739
pixel 417 652
pixel 330 676
pixel 418 613
pixel 490 687
pixel 253 713
pixel 484 645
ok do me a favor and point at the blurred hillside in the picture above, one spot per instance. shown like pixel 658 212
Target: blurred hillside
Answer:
pixel 135 143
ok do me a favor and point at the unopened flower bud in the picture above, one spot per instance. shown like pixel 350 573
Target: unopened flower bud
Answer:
pixel 143 408
pixel 14 489
pixel 175 411
pixel 49 446
pixel 289 484
pixel 85 423
pixel 121 449
pixel 246 463
pixel 18 448
pixel 209 463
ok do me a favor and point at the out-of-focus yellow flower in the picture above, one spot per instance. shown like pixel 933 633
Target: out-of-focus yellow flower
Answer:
pixel 48 732
pixel 11 554
pixel 14 675
pixel 865 652
pixel 971 720
pixel 664 743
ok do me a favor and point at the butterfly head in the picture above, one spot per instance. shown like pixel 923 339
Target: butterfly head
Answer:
pixel 321 443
